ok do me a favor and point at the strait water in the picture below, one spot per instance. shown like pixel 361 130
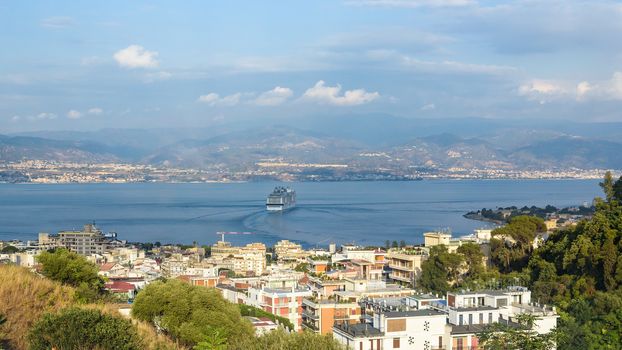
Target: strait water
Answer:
pixel 359 212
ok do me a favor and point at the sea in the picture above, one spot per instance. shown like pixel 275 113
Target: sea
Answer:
pixel 364 213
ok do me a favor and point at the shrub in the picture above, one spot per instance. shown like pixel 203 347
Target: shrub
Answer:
pixel 77 328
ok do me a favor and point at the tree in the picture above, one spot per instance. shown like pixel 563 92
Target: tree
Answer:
pixel 190 314
pixel 214 340
pixel 608 186
pixel 9 250
pixel 402 244
pixel 70 268
pixel 441 270
pixel 394 244
pixel 502 336
pixel 280 340
pixel 387 244
pixel 77 328
pixel 474 259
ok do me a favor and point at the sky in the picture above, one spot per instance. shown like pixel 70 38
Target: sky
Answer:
pixel 84 65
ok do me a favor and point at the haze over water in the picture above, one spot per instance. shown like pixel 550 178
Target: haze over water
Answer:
pixel 365 213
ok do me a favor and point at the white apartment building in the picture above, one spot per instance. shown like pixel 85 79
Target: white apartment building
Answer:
pixel 281 302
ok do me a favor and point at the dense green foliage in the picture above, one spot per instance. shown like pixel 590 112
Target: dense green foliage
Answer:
pixel 580 270
pixel 247 310
pixel 73 269
pixel 512 244
pixel 9 250
pixel 77 328
pixel 280 340
pixel 190 314
pixel 443 270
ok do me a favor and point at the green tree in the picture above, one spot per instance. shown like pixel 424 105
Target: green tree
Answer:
pixel 440 270
pixel 189 314
pixel 474 259
pixel 280 340
pixel 9 250
pixel 402 244
pixel 77 328
pixel 70 268
pixel 502 336
pixel 214 340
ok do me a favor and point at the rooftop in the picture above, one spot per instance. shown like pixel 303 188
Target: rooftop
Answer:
pixel 414 313
pixel 359 330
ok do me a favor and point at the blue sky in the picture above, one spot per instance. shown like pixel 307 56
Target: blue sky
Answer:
pixel 87 65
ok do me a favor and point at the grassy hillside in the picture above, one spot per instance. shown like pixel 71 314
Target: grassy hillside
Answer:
pixel 26 297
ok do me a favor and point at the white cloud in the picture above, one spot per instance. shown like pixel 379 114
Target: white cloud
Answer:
pixel 331 95
pixel 15 118
pixel 135 56
pixel 57 22
pixel 214 99
pixel 428 107
pixel 73 114
pixel 540 87
pixel 95 111
pixel 412 3
pixel 583 88
pixel 274 97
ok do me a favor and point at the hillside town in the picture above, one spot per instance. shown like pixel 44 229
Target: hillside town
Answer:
pixel 365 297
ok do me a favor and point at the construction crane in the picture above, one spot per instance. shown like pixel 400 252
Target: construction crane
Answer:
pixel 222 234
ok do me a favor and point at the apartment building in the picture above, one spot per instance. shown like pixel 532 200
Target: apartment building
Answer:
pixel 289 252
pixel 249 259
pixel 405 265
pixel 319 315
pixel 89 241
pixel 281 302
pixel 451 324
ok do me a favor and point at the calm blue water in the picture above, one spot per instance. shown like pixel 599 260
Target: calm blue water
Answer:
pixel 360 212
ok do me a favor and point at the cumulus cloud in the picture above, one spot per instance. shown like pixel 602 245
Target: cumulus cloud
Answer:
pixel 95 111
pixel 274 97
pixel 73 114
pixel 332 95
pixel 412 3
pixel 57 22
pixel 135 56
pixel 214 99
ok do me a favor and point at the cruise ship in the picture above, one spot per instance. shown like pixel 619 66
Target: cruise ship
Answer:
pixel 281 199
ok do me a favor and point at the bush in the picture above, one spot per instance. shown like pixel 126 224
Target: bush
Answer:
pixel 189 313
pixel 76 328
pixel 70 268
pixel 247 310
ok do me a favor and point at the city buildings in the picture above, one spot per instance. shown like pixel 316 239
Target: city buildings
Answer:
pixel 405 264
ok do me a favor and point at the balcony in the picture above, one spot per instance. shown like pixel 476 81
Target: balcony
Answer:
pixel 400 278
pixel 310 315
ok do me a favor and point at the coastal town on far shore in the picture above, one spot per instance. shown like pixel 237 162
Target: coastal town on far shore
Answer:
pixel 51 172
pixel 366 297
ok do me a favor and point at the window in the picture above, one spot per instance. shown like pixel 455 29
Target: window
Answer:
pixel 440 341
pixel 396 343
pixel 470 318
pixel 481 318
pixel 461 320
pixel 490 317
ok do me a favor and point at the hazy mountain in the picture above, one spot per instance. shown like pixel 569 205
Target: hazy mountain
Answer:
pixel 21 147
pixel 364 141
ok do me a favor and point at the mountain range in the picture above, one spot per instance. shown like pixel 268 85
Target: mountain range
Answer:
pixel 365 142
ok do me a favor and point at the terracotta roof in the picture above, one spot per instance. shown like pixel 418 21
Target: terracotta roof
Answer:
pixel 120 286
pixel 106 266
